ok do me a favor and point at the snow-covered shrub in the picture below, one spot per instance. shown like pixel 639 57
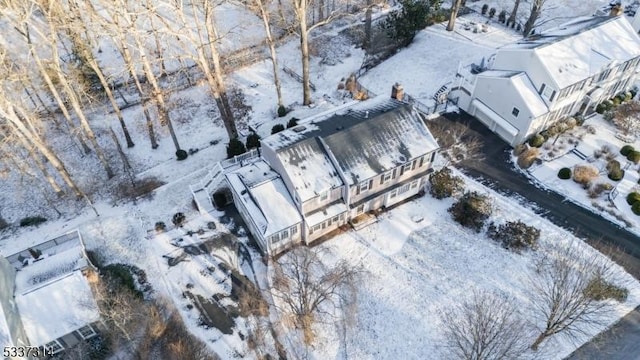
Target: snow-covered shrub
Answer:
pixel 181 154
pixel 634 156
pixel 178 219
pixel 472 210
pixel 277 128
pixel 633 198
pixel 492 13
pixel 282 111
pixel 615 173
pixel 536 140
pixel 253 141
pixel 32 221
pixel 444 184
pixel 598 189
pixel 502 17
pixel 584 174
pixel 636 208
pixel 292 122
pixel 161 226
pixel 235 147
pixel 528 157
pixel 564 173
pixel 485 7
pixel 515 235
pixel 625 150
pixel 3 223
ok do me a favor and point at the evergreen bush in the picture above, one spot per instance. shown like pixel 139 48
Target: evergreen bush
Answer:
pixel 444 184
pixel 32 221
pixel 253 141
pixel 282 111
pixel 564 173
pixel 235 147
pixel 536 140
pixel 277 128
pixel 633 198
pixel 181 155
pixel 634 156
pixel 625 150
pixel 472 210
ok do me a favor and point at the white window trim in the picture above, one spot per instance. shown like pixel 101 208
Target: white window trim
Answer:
pixel 88 327
pixel 49 347
pixel 324 196
pixel 364 186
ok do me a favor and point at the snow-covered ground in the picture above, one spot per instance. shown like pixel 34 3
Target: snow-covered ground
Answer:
pixel 414 270
pixel 613 207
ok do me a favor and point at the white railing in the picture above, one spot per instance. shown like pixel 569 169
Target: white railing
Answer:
pixel 239 158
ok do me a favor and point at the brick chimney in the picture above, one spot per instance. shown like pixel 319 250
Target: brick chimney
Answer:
pixel 397 92
pixel 616 10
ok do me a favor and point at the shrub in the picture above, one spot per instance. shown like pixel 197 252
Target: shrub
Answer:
pixel 564 173
pixel 634 156
pixel 613 165
pixel 235 147
pixel 282 111
pixel 584 174
pixel 178 219
pixel 599 289
pixel 519 149
pixel 633 198
pixel 527 158
pixel 492 12
pixel 636 208
pixel 625 150
pixel 485 7
pixel 32 221
pixel 121 276
pixel 181 155
pixel 143 188
pixel 444 184
pixel 161 226
pixel 502 17
pixel 536 140
pixel 515 235
pixel 616 101
pixel 598 189
pixel 633 91
pixel 292 122
pixel 3 223
pixel 472 210
pixel 219 199
pixel 601 108
pixel 616 174
pixel 253 141
pixel 277 128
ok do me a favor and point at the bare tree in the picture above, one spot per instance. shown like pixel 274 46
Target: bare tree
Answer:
pixel 264 14
pixel 534 15
pixel 627 118
pixel 485 327
pixel 572 291
pixel 455 7
pixel 304 287
pixel 457 141
pixel 514 13
pixel 301 9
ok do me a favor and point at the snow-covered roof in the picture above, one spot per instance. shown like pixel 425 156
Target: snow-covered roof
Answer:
pixel 50 267
pixel 366 138
pixel 265 197
pixel 309 168
pixel 523 87
pixel 583 47
pixel 326 213
pixel 57 308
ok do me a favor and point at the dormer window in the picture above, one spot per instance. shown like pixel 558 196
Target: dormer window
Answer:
pixel 515 112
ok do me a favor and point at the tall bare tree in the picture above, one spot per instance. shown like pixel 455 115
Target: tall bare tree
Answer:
pixel 534 15
pixel 572 291
pixel 627 118
pixel 455 7
pixel 301 10
pixel 264 14
pixel 485 327
pixel 303 285
pixel 514 13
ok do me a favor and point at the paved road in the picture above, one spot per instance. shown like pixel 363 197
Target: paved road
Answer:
pixel 495 170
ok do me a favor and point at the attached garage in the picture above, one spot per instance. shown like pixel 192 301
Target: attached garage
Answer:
pixel 494 122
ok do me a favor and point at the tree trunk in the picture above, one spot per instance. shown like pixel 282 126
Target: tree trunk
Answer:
pixel 455 7
pixel 538 341
pixel 514 13
pixel 272 50
pixel 367 27
pixel 536 9
pixel 304 49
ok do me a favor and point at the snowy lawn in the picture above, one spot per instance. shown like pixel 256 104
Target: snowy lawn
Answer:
pixel 413 270
pixel 609 204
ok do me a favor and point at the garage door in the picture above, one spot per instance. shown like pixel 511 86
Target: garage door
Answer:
pixel 494 122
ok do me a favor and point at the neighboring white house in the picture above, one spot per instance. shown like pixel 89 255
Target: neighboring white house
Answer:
pixel 46 298
pixel 331 169
pixel 552 75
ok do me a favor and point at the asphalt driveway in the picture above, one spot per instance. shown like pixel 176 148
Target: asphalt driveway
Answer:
pixel 497 171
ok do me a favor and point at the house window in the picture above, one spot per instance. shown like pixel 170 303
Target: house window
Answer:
pixel 316 228
pixel 403 189
pixel 405 168
pixel 87 332
pixel 324 196
pixel 341 216
pixel 413 164
pixel 548 92
pixel 393 193
pixel 422 161
pixel 294 230
pixel 54 347
pixel 433 156
pixel 542 89
pixel 414 184
pixel 386 177
pixel 284 234
pixel 515 112
pixel 360 209
pixel 364 186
